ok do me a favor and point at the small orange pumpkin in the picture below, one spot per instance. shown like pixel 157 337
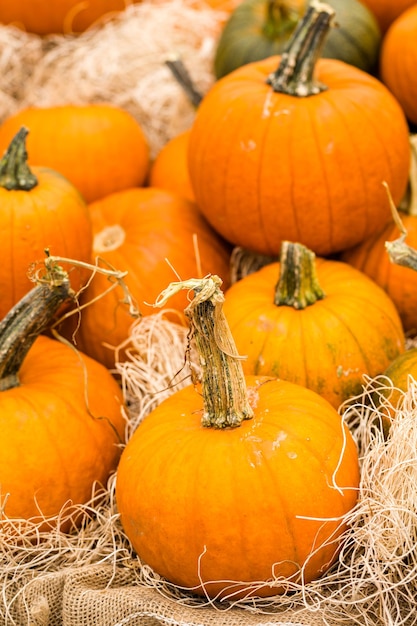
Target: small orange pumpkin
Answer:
pixel 44 17
pixel 100 148
pixel 61 414
pixel 39 209
pixel 398 60
pixel 371 256
pixel 315 322
pixel 270 148
pixel 149 233
pixel 399 372
pixel 170 167
pixel 236 487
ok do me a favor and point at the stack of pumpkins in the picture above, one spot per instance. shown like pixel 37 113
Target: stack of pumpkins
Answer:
pixel 286 158
pixel 73 186
pixel 289 157
pixel 289 150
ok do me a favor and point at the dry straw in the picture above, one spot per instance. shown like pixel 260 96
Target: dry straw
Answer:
pixel 122 61
pixel 374 581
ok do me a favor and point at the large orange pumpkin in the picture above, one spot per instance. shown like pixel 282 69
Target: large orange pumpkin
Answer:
pixel 398 61
pixel 315 322
pixel 151 234
pixel 39 209
pixel 45 17
pixel 100 148
pixel 60 412
pixel 229 488
pixel 298 152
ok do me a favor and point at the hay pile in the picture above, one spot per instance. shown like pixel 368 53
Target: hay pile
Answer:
pixel 122 61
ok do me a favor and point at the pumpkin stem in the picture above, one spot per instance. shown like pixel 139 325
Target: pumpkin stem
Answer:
pixel 280 18
pixel 28 319
pixel 14 170
pixel 298 285
pixel 295 73
pixel 183 78
pixel 224 390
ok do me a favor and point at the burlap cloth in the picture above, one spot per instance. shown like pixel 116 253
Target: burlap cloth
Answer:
pixel 102 596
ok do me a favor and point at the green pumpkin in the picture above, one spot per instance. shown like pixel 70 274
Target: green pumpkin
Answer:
pixel 257 29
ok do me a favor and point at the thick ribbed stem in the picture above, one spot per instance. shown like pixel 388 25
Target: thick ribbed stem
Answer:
pixel 298 285
pixel 14 170
pixel 223 382
pixel 27 320
pixel 295 73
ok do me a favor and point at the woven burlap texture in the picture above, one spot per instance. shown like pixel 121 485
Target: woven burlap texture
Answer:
pixel 102 596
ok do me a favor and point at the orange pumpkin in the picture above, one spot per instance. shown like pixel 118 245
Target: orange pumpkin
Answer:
pixel 229 489
pixel 39 209
pixel 400 283
pixel 100 148
pixel 270 149
pixel 386 11
pixel 45 17
pixel 315 322
pixel 61 414
pixel 170 168
pixel 399 372
pixel 398 61
pixel 371 256
pixel 149 233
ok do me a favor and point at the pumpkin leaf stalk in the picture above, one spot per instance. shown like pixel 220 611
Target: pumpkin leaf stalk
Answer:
pixel 30 317
pixel 15 174
pixel 295 73
pixel 224 390
pixel 298 284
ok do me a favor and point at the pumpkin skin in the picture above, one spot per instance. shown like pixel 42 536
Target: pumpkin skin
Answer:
pixel 52 447
pixel 60 16
pixel 399 282
pixel 170 168
pixel 371 258
pixel 386 11
pixel 250 34
pixel 284 158
pixel 399 372
pixel 190 519
pixel 137 230
pixel 327 346
pixel 50 215
pixel 390 397
pixel 100 148
pixel 398 61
